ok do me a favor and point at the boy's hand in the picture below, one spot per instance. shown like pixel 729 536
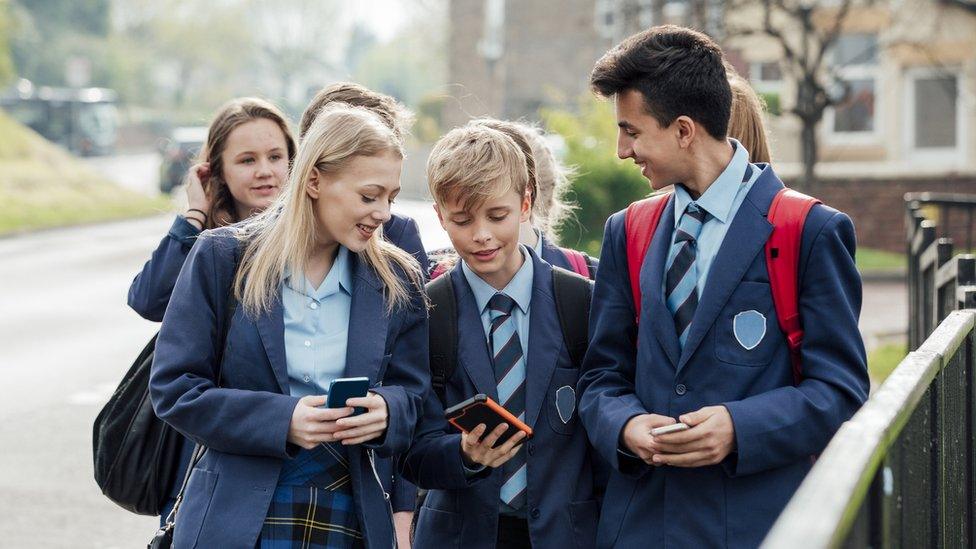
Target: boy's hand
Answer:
pixel 709 440
pixel 637 435
pixel 482 452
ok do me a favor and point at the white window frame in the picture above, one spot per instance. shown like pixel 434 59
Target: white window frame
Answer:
pixel 871 137
pixel 600 9
pixel 945 155
pixel 764 86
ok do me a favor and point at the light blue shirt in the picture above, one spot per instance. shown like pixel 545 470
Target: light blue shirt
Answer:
pixel 721 200
pixel 519 289
pixel 317 327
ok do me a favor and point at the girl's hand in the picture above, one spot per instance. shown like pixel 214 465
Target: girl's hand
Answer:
pixel 196 198
pixel 482 452
pixel 312 425
pixel 364 427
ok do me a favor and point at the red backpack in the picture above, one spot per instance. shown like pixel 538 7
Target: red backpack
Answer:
pixel 787 213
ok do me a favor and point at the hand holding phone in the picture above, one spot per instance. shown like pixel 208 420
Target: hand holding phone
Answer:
pixel 342 389
pixel 673 428
pixel 481 410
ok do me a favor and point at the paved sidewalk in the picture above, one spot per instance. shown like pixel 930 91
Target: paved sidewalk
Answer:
pixel 884 313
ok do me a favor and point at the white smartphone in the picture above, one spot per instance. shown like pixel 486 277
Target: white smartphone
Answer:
pixel 673 428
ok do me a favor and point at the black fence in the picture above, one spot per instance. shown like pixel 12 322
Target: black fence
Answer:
pixel 902 471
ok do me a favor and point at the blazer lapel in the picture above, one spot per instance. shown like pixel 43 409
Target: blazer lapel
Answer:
pixel 554 256
pixel 744 240
pixel 657 317
pixel 368 323
pixel 271 326
pixel 545 341
pixel 473 353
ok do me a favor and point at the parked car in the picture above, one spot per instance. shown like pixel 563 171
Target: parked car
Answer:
pixel 179 153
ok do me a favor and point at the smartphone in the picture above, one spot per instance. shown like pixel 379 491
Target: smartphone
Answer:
pixel 346 388
pixel 673 428
pixel 480 409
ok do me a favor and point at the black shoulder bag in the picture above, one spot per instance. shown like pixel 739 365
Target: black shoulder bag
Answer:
pixel 136 454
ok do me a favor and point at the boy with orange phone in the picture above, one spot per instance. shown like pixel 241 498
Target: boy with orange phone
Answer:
pixel 512 351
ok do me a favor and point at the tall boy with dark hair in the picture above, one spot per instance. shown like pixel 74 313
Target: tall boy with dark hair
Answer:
pixel 707 349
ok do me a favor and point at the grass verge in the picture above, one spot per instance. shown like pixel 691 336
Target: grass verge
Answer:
pixel 42 186
pixel 883 360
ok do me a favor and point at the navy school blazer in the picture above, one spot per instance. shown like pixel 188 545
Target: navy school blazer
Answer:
pixel 778 426
pixel 150 293
pixel 563 489
pixel 244 421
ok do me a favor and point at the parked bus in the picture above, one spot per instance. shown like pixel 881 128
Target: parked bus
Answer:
pixel 83 120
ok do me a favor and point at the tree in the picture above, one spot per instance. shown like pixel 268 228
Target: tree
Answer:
pixel 805 32
pixel 7 70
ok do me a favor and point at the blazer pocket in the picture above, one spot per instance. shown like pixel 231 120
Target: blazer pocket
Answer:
pixel 436 528
pixel 196 502
pixel 584 516
pixel 747 331
pixel 561 400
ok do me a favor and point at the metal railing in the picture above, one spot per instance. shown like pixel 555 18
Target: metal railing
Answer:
pixel 902 471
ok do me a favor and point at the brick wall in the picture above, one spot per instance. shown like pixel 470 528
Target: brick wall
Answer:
pixel 877 207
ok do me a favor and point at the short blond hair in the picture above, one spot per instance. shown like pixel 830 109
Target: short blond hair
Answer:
pixel 475 163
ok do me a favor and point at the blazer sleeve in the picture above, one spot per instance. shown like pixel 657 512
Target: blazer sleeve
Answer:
pixel 787 424
pixel 606 387
pixel 183 381
pixel 404 233
pixel 151 289
pixel 406 380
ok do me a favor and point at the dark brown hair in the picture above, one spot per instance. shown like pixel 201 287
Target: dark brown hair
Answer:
pixel 678 71
pixel 233 114
pixel 393 114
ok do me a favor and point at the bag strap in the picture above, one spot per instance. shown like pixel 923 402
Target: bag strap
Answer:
pixel 640 223
pixel 442 332
pixel 573 293
pixel 200 449
pixel 577 261
pixel 788 213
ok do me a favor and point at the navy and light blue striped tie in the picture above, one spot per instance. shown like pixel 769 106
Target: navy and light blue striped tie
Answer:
pixel 509 363
pixel 680 284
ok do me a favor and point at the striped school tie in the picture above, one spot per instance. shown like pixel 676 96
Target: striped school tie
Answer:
pixel 680 285
pixel 509 364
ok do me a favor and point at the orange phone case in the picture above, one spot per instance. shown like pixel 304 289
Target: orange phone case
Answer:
pixel 482 409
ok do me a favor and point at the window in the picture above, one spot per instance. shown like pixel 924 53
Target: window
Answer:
pixel 606 19
pixel 855 58
pixel 933 118
pixel 492 43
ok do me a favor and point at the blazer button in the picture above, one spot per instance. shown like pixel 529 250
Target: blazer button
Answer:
pixel 680 389
pixel 536 513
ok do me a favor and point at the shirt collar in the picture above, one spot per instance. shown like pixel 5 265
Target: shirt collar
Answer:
pixel 519 288
pixel 538 242
pixel 718 199
pixel 338 279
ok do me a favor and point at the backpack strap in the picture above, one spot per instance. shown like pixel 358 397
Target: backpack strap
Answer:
pixel 788 213
pixel 577 261
pixel 640 223
pixel 443 332
pixel 573 293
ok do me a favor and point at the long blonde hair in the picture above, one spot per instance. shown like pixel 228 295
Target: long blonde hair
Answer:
pixel 746 122
pixel 282 238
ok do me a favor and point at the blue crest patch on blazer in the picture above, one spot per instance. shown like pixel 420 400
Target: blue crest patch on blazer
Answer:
pixel 749 328
pixel 565 402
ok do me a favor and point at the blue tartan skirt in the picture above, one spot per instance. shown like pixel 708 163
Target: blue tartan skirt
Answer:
pixel 313 505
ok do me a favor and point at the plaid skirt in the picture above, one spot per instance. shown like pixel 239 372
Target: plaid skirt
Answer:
pixel 313 505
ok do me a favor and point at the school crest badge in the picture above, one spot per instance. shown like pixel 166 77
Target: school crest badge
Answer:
pixel 749 328
pixel 565 403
